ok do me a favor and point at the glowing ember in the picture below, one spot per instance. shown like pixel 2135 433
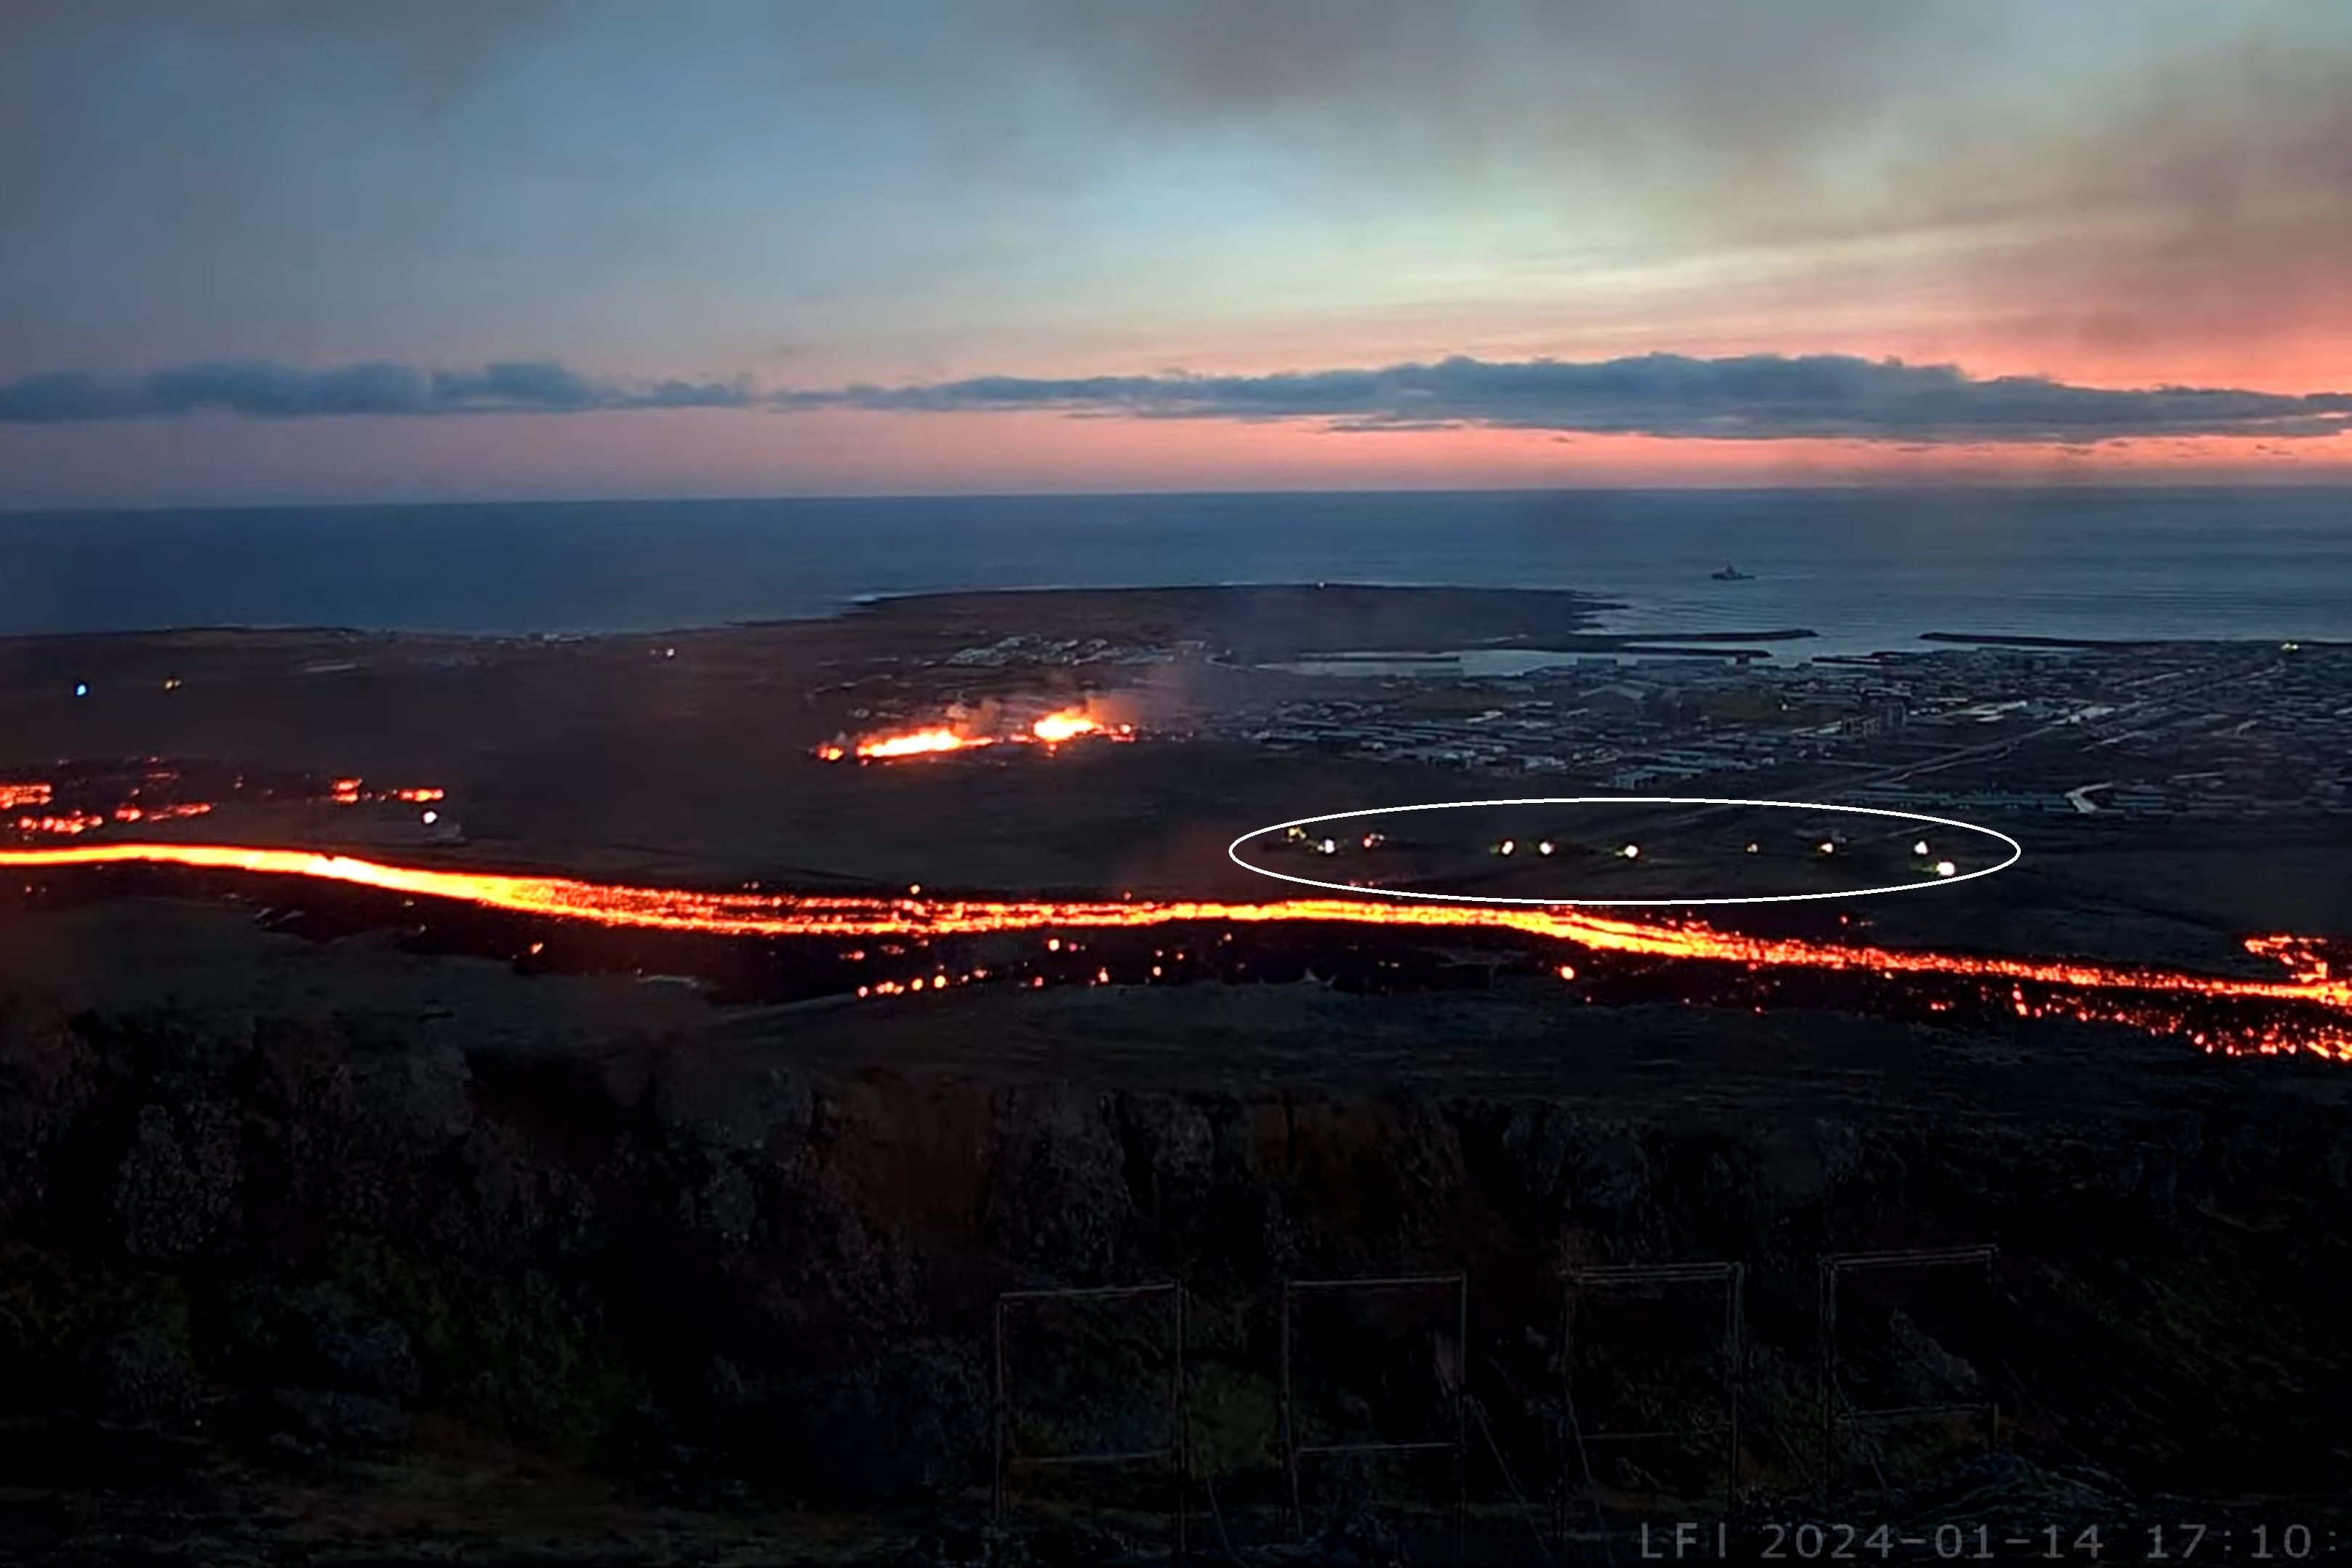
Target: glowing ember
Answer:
pixel 70 824
pixel 162 813
pixel 2305 957
pixel 67 818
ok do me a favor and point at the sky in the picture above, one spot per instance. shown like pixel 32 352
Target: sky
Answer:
pixel 308 250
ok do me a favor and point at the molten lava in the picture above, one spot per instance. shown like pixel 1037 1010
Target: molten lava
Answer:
pixel 71 817
pixel 165 813
pixel 2311 1011
pixel 66 824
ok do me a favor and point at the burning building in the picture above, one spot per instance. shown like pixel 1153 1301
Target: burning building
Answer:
pixel 994 725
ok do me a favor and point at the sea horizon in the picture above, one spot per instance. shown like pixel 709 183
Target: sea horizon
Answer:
pixel 1993 482
pixel 1867 568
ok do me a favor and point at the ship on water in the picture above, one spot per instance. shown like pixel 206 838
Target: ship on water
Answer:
pixel 1731 573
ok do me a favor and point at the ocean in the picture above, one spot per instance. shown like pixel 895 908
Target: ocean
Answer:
pixel 1867 569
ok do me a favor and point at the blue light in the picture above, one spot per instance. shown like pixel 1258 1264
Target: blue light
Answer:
pixel 81 688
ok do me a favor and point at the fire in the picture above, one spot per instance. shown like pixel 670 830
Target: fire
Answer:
pixel 1058 727
pixel 2313 1007
pixel 921 742
pixel 16 796
pixel 1053 730
pixel 1072 722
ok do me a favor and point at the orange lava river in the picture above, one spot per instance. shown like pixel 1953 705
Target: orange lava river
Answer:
pixel 2308 1011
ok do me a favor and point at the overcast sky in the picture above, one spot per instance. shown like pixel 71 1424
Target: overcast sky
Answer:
pixel 297 249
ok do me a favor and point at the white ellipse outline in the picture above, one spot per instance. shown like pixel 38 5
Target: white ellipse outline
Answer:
pixel 2016 851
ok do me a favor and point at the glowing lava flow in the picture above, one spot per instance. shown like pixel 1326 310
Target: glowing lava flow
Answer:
pixel 2157 1001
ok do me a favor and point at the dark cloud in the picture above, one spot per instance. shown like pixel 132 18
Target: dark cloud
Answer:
pixel 437 44
pixel 2189 179
pixel 2218 205
pixel 269 391
pixel 1755 397
pixel 1453 85
pixel 1752 397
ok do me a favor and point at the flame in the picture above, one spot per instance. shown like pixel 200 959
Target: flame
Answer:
pixel 921 743
pixel 1071 722
pixel 1053 730
pixel 2314 1002
pixel 16 796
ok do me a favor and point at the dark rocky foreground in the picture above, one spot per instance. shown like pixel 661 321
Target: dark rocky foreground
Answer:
pixel 296 1287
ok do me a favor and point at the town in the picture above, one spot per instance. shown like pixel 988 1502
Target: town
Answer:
pixel 2204 729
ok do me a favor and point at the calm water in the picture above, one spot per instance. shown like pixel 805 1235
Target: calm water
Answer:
pixel 1868 569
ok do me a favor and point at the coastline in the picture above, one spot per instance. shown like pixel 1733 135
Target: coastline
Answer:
pixel 1535 619
pixel 2019 640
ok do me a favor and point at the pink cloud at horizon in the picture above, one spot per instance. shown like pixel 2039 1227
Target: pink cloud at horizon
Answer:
pixel 710 452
